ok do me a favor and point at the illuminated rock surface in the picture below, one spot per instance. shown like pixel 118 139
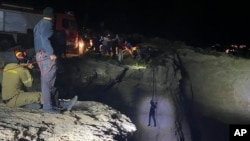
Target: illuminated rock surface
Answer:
pixel 88 121
pixel 198 93
pixel 217 84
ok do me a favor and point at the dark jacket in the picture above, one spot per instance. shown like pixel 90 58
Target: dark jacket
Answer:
pixel 42 33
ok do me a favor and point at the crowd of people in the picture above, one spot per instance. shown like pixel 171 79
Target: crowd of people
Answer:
pixel 234 50
pixel 111 45
pixel 117 47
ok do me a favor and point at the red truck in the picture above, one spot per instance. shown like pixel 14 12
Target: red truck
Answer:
pixel 17 23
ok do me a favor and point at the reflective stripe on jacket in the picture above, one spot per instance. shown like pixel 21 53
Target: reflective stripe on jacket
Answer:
pixel 14 79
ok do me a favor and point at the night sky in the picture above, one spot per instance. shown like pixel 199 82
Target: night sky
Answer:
pixel 195 22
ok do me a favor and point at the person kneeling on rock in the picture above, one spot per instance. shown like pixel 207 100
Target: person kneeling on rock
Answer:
pixel 16 78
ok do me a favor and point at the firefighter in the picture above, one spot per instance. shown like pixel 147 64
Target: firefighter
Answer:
pixel 15 76
pixel 144 53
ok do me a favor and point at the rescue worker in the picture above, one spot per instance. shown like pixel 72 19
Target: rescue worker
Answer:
pixel 15 76
pixel 96 42
pixel 114 44
pixel 43 31
pixel 128 48
pixel 120 48
pixel 143 53
pixel 152 112
pixel 105 44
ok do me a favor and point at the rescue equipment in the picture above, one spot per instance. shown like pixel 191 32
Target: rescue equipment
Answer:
pixel 154 96
pixel 23 65
pixel 153 104
pixel 21 56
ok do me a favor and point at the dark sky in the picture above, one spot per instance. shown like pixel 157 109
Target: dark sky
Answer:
pixel 193 21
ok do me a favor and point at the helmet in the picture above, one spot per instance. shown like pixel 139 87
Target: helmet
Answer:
pixel 21 56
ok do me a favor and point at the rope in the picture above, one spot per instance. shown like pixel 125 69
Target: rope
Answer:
pixel 154 98
pixel 45 73
pixel 153 94
pixel 23 65
pixel 153 108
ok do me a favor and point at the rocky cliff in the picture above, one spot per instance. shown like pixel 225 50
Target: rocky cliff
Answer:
pixel 129 88
pixel 188 84
pixel 217 84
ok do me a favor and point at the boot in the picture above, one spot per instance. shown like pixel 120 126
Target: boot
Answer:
pixel 67 105
pixel 52 111
pixel 54 97
pixel 33 106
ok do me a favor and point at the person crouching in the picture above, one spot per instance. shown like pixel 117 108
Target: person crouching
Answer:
pixel 17 76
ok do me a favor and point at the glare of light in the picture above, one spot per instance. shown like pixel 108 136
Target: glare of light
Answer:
pixel 81 47
pixel 137 67
pixel 91 42
pixel 227 51
pixel 133 48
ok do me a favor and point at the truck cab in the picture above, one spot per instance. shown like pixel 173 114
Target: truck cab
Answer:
pixel 17 23
pixel 67 22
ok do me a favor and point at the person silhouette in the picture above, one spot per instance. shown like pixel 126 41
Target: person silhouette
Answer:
pixel 152 112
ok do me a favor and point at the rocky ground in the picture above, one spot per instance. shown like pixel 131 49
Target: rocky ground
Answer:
pixel 87 121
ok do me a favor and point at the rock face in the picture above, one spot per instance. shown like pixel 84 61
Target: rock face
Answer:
pixel 189 85
pixel 194 89
pixel 129 89
pixel 217 84
pixel 87 121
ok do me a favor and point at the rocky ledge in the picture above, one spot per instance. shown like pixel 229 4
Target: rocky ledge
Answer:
pixel 88 121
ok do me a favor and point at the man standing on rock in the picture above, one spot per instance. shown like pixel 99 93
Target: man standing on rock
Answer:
pixel 46 58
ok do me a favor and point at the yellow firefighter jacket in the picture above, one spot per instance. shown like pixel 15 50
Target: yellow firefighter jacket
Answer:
pixel 15 77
